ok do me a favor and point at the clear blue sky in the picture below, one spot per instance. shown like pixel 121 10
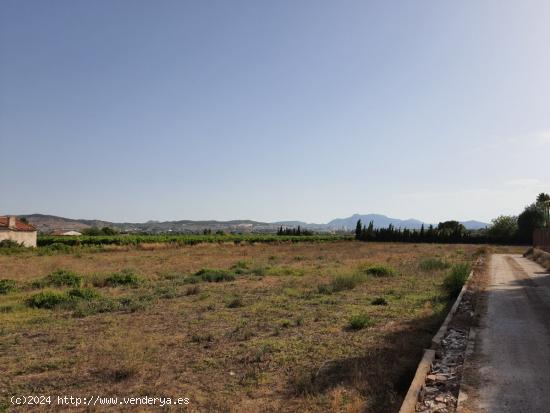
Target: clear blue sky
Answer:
pixel 271 110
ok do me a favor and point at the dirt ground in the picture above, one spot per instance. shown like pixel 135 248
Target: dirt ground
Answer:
pixel 280 336
pixel 507 371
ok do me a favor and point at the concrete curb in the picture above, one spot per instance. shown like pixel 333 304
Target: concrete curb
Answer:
pixel 436 340
pixel 463 390
pixel 409 402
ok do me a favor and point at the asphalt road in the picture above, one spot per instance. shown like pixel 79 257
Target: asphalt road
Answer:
pixel 512 351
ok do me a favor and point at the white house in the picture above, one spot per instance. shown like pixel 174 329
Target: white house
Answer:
pixel 16 230
pixel 70 233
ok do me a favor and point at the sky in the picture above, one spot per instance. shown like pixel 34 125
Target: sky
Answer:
pixel 273 110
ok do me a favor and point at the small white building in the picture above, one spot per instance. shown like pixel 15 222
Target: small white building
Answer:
pixel 67 233
pixel 16 230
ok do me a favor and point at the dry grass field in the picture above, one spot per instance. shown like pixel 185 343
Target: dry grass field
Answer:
pixel 306 327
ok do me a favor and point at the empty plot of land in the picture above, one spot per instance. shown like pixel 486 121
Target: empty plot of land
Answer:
pixel 290 327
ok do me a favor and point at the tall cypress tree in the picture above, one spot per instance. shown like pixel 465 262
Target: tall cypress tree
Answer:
pixel 358 230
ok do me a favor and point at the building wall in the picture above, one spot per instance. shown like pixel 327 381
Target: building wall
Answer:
pixel 28 238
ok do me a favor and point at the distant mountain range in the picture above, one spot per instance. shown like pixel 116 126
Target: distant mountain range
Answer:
pixel 50 223
pixel 382 221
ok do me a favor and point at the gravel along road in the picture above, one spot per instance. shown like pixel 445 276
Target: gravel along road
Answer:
pixel 510 367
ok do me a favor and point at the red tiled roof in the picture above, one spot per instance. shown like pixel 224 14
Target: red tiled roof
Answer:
pixel 19 225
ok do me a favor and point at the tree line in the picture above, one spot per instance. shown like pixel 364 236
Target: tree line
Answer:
pixel 503 230
pixel 294 231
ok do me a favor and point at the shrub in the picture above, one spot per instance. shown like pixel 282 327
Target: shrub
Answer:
pixel 86 294
pixel 286 323
pixel 240 267
pixel 345 282
pixel 125 277
pixel 133 304
pixel 8 243
pixel 83 308
pixel 166 291
pixel 47 299
pixel 214 275
pixel 433 264
pixel 342 283
pixel 453 282
pixel 61 278
pixel 358 322
pixel 58 247
pixel 379 270
pixel 379 301
pixel 258 271
pixel 7 286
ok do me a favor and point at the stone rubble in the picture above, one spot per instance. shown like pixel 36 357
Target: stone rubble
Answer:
pixel 440 391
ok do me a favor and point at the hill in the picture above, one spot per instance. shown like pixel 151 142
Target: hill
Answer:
pixel 49 223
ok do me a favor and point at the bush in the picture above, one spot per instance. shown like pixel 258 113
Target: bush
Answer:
pixel 86 294
pixel 453 282
pixel 358 322
pixel 125 277
pixel 344 282
pixel 133 304
pixel 47 299
pixel 8 243
pixel 379 270
pixel 58 247
pixel 62 278
pixel 214 275
pixel 433 264
pixel 240 267
pixel 379 301
pixel 7 286
pixel 85 308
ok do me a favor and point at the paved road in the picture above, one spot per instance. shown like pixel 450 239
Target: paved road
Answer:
pixel 512 351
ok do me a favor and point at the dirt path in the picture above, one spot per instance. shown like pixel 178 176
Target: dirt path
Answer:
pixel 509 370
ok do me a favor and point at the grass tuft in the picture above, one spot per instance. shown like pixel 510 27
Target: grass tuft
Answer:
pixel 358 322
pixel 214 275
pixel 433 264
pixel 61 278
pixel 342 283
pixel 235 303
pixel 124 277
pixel 7 286
pixel 47 299
pixel 453 282
pixel 378 270
pixel 379 301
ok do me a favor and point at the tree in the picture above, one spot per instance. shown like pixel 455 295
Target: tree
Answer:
pixel 530 219
pixel 504 228
pixel 108 231
pixel 93 231
pixel 358 229
pixel 543 202
pixel 543 198
pixel 451 231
